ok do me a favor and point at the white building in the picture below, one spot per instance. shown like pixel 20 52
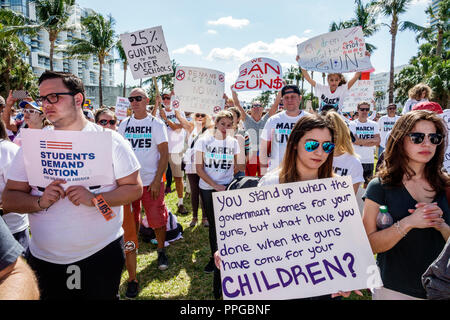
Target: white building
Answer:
pixel 435 7
pixel 381 83
pixel 87 70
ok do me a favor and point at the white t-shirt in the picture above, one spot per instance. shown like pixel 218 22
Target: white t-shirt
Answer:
pixel 277 131
pixel 385 124
pixel 145 135
pixel 8 150
pixel 366 130
pixel 335 98
pixel 271 178
pixel 189 155
pixel 175 137
pixel 446 117
pixel 411 103
pixel 65 233
pixel 348 165
pixel 218 159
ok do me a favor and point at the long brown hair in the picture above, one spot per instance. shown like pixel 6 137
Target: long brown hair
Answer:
pixel 395 166
pixel 288 171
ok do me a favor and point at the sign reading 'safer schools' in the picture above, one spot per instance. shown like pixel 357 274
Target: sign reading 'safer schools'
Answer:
pixel 147 53
pixel 79 158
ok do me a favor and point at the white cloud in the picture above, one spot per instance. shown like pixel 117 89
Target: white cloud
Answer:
pixel 280 46
pixel 307 31
pixel 210 31
pixel 230 22
pixel 421 2
pixel 190 48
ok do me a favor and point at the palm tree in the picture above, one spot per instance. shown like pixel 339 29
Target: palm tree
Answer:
pixel 53 16
pixel 393 9
pixel 365 18
pixel 100 41
pixel 124 60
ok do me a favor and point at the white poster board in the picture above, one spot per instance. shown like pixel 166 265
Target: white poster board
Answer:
pixel 122 105
pixel 293 240
pixel 147 53
pixel 335 52
pixel 199 90
pixel 259 74
pixel 446 117
pixel 362 90
pixel 79 158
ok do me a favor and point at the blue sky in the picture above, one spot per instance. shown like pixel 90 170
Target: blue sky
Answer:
pixel 222 35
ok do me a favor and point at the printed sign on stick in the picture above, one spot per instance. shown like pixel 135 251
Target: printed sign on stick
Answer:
pixel 293 240
pixel 259 74
pixel 335 52
pixel 80 158
pixel 147 53
pixel 122 105
pixel 199 90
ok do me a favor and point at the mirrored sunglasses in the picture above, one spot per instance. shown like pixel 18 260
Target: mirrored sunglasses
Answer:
pixel 105 122
pixel 419 137
pixel 327 147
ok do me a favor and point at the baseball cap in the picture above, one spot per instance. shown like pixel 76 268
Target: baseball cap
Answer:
pixel 32 104
pixel 290 89
pixel 428 105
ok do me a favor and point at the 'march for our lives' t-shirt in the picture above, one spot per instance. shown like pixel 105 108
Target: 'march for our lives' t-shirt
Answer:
pixel 145 135
pixel 218 159
pixel 365 130
pixel 277 131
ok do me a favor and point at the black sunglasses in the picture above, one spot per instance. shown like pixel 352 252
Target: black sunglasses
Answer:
pixel 53 97
pixel 419 137
pixel 364 109
pixel 197 115
pixel 105 122
pixel 137 98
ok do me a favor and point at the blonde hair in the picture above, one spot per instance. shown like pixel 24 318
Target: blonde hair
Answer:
pixel 343 140
pixel 416 91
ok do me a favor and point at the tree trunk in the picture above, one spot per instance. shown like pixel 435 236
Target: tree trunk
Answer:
pixel 52 38
pixel 124 80
pixel 440 39
pixel 394 27
pixel 100 76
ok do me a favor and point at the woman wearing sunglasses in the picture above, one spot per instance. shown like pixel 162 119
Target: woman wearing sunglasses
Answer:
pixel 412 184
pixel 33 118
pixel 106 118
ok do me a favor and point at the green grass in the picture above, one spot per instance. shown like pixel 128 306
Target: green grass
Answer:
pixel 184 279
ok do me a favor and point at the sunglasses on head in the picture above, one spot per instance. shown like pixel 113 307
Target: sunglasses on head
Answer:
pixel 419 137
pixel 327 147
pixel 137 98
pixel 105 122
pixel 197 115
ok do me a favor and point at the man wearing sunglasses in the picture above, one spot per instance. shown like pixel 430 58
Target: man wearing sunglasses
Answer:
pixel 148 138
pixel 385 124
pixel 74 251
pixel 176 135
pixel 254 124
pixel 367 137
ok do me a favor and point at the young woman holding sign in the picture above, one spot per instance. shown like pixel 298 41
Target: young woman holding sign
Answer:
pixel 216 163
pixel 412 184
pixel 309 156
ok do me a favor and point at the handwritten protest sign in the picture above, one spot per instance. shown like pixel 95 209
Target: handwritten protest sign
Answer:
pixel 335 52
pixel 122 105
pixel 259 74
pixel 147 53
pixel 199 90
pixel 293 240
pixel 446 117
pixel 362 90
pixel 80 158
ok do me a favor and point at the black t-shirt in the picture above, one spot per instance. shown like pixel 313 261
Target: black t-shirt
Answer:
pixel 403 265
pixel 10 249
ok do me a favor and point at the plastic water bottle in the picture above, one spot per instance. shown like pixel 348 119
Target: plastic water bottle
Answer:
pixel 384 219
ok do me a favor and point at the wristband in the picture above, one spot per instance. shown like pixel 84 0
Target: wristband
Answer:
pixel 103 207
pixel 399 230
pixel 39 204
